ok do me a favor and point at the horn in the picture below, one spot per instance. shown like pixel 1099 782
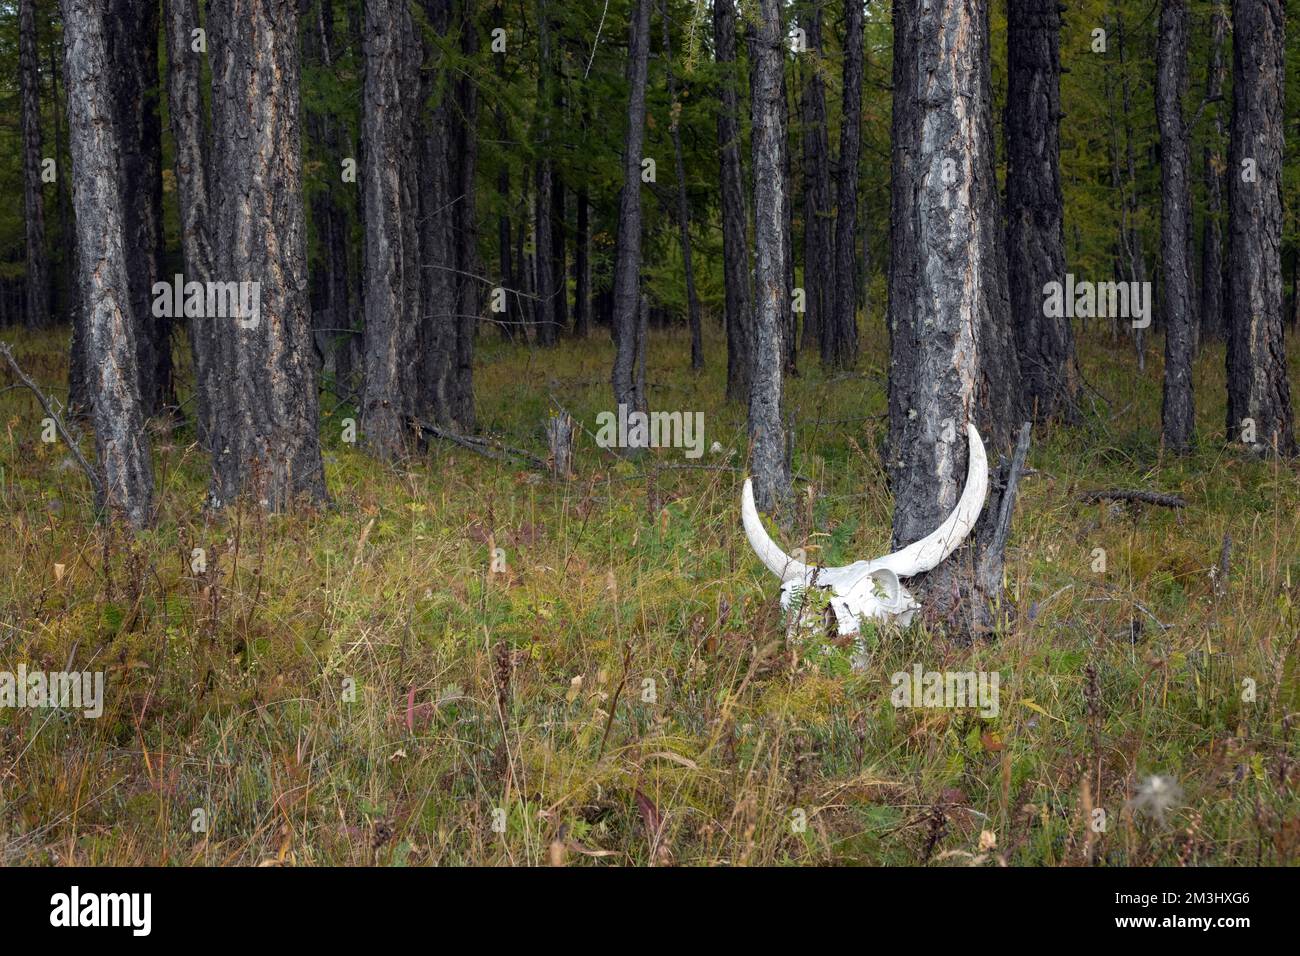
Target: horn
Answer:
pixel 773 558
pixel 945 539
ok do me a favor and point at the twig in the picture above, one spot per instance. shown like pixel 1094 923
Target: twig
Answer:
pixel 58 419
pixel 1120 494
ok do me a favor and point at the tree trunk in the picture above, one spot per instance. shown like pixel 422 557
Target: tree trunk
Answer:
pixel 840 332
pixel 437 185
pixel 469 296
pixel 29 79
pixel 510 282
pixel 559 252
pixel 768 464
pixel 818 224
pixel 547 329
pixel 582 267
pixel 1035 208
pixel 390 261
pixel 189 129
pixel 1130 237
pixel 735 242
pixel 79 400
pixel 133 54
pixel 1178 416
pixel 952 360
pixel 627 328
pixel 265 432
pixel 1212 300
pixel 1258 388
pixel 683 203
pixel 121 446
pixel 330 266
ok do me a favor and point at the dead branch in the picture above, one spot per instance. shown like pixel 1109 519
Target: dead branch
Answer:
pixel 54 416
pixel 1121 494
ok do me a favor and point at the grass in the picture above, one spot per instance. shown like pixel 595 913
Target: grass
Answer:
pixel 357 685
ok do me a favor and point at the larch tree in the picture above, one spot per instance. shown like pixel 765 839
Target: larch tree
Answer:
pixel 132 31
pixel 125 471
pixel 392 259
pixel 818 198
pixel 839 346
pixel 548 327
pixel 1259 393
pixel 1035 208
pixel 1212 291
pixel 769 466
pixel 1178 414
pixel 190 132
pixel 29 82
pixel 952 357
pixel 265 434
pixel 683 200
pixel 628 331
pixel 735 234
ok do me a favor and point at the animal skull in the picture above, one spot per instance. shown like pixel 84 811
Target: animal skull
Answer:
pixel 872 589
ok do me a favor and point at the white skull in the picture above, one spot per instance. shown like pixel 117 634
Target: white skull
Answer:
pixel 872 589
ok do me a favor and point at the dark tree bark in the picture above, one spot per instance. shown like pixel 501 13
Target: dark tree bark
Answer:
pixel 1035 208
pixel 1258 388
pixel 582 266
pixel 548 330
pixel 559 251
pixel 391 263
pixel 818 224
pixel 29 82
pixel 189 129
pixel 840 331
pixel 265 437
pixel 435 198
pixel 133 54
pixel 1130 237
pixel 1178 414
pixel 469 296
pixel 683 203
pixel 952 358
pixel 1212 298
pixel 121 447
pixel 511 317
pixel 628 330
pixel 768 465
pixel 790 325
pixel 735 242
pixel 330 267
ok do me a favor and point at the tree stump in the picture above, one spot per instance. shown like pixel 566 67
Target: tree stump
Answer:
pixel 560 436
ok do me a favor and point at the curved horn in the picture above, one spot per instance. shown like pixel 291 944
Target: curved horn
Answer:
pixel 773 558
pixel 945 539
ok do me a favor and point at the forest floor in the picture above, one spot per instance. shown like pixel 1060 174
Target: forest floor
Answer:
pixel 356 684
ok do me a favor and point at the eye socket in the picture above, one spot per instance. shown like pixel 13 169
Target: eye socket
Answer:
pixel 886 587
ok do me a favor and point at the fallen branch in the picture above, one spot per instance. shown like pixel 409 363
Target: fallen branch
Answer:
pixel 1120 494
pixel 489 449
pixel 55 417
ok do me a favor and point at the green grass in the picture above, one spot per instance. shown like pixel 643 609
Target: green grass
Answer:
pixel 624 692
